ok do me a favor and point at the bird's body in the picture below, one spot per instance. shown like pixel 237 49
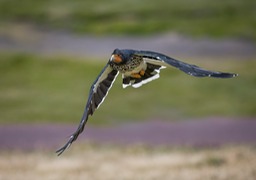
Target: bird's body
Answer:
pixel 137 68
pixel 134 69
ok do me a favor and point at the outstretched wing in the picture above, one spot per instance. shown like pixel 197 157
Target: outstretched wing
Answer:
pixel 163 60
pixel 98 92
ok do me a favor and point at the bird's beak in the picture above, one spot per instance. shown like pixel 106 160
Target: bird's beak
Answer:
pixel 116 59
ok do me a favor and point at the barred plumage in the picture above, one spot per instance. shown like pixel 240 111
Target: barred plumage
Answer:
pixel 133 63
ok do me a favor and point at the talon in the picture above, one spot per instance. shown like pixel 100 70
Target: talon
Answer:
pixel 136 75
pixel 142 72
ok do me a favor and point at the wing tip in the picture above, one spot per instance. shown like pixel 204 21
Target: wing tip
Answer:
pixel 223 75
pixel 67 145
pixel 62 149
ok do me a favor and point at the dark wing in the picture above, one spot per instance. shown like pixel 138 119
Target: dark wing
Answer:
pixel 163 60
pixel 98 92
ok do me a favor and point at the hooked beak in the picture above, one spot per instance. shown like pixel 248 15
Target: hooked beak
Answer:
pixel 116 59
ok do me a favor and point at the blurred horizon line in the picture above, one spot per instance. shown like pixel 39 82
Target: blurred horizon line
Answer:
pixel 53 42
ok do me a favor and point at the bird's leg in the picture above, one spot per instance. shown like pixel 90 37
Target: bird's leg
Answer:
pixel 139 74
pixel 136 75
pixel 142 72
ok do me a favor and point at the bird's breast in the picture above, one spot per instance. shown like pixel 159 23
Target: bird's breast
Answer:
pixel 133 64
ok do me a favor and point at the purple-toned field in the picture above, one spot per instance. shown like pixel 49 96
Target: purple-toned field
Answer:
pixel 202 133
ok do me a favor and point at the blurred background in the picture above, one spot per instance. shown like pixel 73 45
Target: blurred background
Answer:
pixel 172 128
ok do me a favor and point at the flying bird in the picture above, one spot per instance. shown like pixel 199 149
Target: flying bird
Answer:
pixel 137 68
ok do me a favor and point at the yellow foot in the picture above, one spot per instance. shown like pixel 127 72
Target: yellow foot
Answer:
pixel 142 72
pixel 136 75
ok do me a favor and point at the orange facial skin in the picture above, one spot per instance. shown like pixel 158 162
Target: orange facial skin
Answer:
pixel 117 59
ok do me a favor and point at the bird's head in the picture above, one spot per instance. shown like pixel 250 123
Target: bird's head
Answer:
pixel 120 56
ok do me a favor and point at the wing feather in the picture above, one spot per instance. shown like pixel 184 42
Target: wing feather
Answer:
pixel 97 94
pixel 163 60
